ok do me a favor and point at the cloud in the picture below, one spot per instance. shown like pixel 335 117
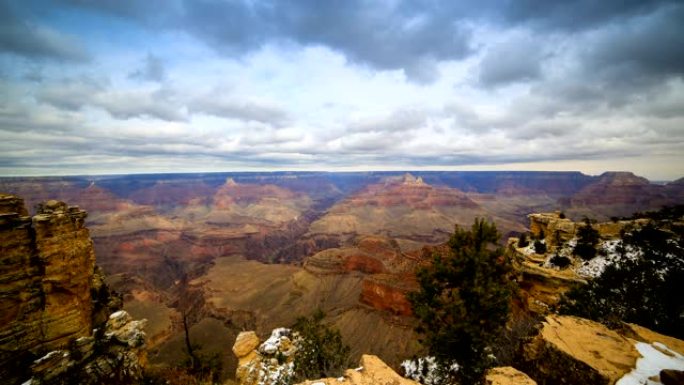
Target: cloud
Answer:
pixel 382 35
pixel 27 39
pixel 517 59
pixel 644 48
pixel 573 15
pixel 73 94
pixel 141 104
pixel 231 107
pixel 152 70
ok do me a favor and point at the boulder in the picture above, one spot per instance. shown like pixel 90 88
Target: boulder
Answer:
pixel 270 363
pixel 572 350
pixel 672 377
pixel 507 375
pixel 245 343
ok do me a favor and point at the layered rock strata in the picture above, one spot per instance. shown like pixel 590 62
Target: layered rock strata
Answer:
pixel 114 354
pixel 51 293
pixel 47 265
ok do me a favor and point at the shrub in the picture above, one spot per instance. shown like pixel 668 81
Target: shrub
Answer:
pixel 523 241
pixel 539 247
pixel 321 350
pixel 463 302
pixel 560 261
pixel 587 239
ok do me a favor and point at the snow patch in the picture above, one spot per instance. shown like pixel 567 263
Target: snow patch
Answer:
pixel 654 358
pixel 425 370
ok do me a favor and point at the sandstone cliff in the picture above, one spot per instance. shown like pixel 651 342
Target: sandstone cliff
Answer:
pixel 51 293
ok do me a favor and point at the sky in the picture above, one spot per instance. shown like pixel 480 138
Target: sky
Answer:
pixel 128 86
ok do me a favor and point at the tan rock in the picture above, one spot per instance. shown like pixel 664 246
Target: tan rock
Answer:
pixel 245 343
pixel 578 351
pixel 642 334
pixel 271 363
pixel 507 375
pixel 48 264
pixel 371 371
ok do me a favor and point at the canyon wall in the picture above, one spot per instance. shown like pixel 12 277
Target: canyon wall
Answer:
pixel 47 270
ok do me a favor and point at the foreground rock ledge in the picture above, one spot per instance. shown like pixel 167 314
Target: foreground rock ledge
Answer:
pixel 507 375
pixel 572 350
pixel 371 371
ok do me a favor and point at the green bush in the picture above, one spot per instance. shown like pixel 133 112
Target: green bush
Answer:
pixel 321 350
pixel 539 247
pixel 560 261
pixel 523 241
pixel 463 301
pixel 587 239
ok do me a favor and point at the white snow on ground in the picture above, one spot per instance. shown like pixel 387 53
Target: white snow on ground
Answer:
pixel 609 253
pixel 424 370
pixel 271 345
pixel 528 250
pixel 655 357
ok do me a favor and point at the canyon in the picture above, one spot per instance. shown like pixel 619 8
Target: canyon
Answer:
pixel 253 251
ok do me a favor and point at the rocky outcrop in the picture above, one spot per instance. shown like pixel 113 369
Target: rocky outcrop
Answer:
pixel 556 230
pixel 47 266
pixel 272 363
pixel 552 228
pixel 507 375
pixel 115 354
pixel 371 371
pixel 571 350
pixel 51 293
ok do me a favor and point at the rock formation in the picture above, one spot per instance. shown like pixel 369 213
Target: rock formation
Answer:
pixel 272 363
pixel 371 371
pixel 556 230
pixel 47 268
pixel 507 375
pixel 114 355
pixel 571 350
pixel 52 295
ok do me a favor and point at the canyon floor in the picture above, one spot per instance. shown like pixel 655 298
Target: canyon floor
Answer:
pixel 254 251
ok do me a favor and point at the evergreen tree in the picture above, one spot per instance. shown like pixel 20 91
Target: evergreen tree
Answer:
pixel 463 301
pixel 321 350
pixel 587 239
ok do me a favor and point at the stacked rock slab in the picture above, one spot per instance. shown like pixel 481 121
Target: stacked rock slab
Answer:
pixel 46 267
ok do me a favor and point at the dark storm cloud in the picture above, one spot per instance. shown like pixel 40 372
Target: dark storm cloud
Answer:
pixel 650 46
pixel 25 38
pixel 517 59
pixel 573 15
pixel 152 69
pixel 378 34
